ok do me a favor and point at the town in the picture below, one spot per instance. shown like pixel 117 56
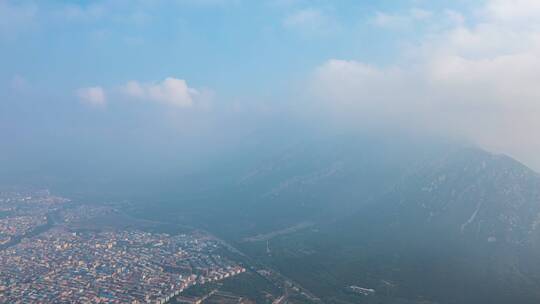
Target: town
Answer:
pixel 45 259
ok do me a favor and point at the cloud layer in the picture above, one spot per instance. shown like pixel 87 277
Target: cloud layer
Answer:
pixel 477 79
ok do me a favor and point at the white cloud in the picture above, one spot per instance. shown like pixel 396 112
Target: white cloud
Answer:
pixel 310 21
pixel 478 81
pixel 513 10
pixel 389 21
pixel 420 14
pixel 92 96
pixel 171 91
pixel 401 20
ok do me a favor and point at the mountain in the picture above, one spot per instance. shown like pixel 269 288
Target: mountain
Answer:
pixel 470 195
pixel 461 228
pixel 419 221
pixel 264 187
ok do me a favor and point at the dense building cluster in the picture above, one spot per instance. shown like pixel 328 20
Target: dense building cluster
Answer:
pixel 18 226
pixel 23 212
pixel 63 265
pixel 82 213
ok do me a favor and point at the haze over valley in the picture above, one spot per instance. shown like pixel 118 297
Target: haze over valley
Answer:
pixel 274 151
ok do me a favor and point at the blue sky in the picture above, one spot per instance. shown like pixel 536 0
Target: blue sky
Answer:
pixel 234 47
pixel 119 74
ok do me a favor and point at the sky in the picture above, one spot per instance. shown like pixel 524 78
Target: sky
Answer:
pixel 85 81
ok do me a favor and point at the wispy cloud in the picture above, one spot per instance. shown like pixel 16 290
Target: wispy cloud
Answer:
pixel 310 22
pixel 171 91
pixel 92 96
pixel 401 20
